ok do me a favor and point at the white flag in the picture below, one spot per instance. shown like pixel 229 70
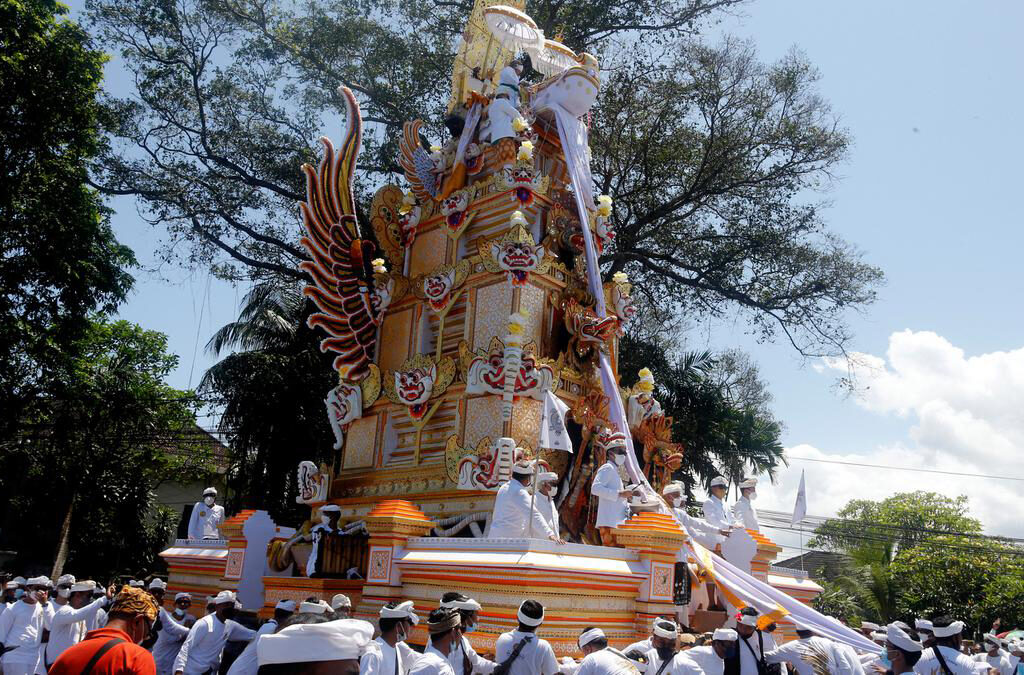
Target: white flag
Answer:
pixel 553 434
pixel 800 508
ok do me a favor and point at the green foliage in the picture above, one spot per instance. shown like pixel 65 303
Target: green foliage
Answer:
pixel 272 392
pixel 922 554
pixel 100 448
pixel 722 434
pixel 1004 599
pixel 836 601
pixel 709 153
pixel 59 259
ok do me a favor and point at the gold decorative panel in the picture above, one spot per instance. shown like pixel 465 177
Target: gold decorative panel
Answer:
pixel 361 443
pixel 394 339
pixel 429 251
pixel 483 418
pixel 493 307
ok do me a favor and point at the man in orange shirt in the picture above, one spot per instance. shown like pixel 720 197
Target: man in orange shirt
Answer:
pixel 114 649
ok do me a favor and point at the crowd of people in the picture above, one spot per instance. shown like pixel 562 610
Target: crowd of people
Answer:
pixel 90 630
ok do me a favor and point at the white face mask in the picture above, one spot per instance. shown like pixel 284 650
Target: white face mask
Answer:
pixel 752 496
pixel 620 459
pixel 677 501
pixel 326 520
pixel 400 635
pixel 553 492
pixel 178 611
pixel 209 500
pixel 64 593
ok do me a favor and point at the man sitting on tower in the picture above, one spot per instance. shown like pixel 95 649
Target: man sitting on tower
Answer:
pixel 612 507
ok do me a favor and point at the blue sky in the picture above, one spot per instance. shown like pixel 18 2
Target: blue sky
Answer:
pixel 932 95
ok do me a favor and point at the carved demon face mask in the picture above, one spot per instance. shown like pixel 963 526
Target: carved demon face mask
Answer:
pixel 415 386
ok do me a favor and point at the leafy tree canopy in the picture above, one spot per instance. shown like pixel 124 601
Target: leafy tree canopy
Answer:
pixel 59 259
pixel 715 159
pixel 91 458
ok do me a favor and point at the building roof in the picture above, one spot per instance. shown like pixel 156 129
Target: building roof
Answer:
pixel 825 565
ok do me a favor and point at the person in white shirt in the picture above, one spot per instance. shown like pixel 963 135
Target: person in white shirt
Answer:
pixel 924 629
pixel 99 619
pixel 515 514
pixel 710 659
pixel 182 603
pixel 663 645
pixel 743 510
pixel 903 653
pixel 319 535
pixel 599 658
pixel 207 516
pixel 798 652
pixel 313 644
pixel 462 651
pixel 21 629
pixel 752 642
pixel 947 634
pixel 547 490
pixel 520 650
pixel 444 628
pixel 714 506
pixel 247 662
pixel 995 657
pixel 607 486
pixel 174 628
pixel 393 657
pixel 201 651
pixel 71 621
pixel 703 532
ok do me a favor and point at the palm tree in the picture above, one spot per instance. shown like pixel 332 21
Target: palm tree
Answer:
pixel 271 389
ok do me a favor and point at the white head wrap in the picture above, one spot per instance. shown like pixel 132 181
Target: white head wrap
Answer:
pixel 673 488
pixel 524 468
pixel 20 581
pixel 899 637
pixel 210 491
pixel 719 481
pixel 66 579
pixel 286 605
pixel 183 596
pixel 952 629
pixel 81 586
pixel 404 610
pixel 664 628
pixel 223 598
pixel 590 636
pixel 727 634
pixel 867 625
pixel 135 583
pixel 158 584
pixel 877 636
pixel 529 620
pixel 11 585
pixel 923 624
pixel 319 607
pixel 469 605
pixel 747 619
pixel 38 581
pixel 992 639
pixel 547 477
pixel 340 600
pixel 316 643
pixel 330 508
pixel 748 483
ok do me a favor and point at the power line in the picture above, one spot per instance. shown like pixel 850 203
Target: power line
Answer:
pixel 906 468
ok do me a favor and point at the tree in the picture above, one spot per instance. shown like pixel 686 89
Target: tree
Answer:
pixel 88 462
pixel 59 259
pixel 709 153
pixel 271 391
pixel 1004 599
pixel 919 554
pixel 719 434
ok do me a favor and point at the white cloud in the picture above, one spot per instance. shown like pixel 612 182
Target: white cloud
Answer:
pixel 967 418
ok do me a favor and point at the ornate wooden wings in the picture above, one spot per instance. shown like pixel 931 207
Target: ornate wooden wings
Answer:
pixel 340 258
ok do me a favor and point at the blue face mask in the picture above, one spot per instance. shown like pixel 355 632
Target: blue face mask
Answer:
pixel 18 594
pixel 884 657
pixel 469 628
